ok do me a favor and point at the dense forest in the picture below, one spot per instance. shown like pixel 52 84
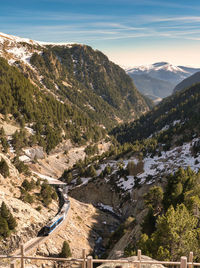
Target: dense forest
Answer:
pixel 86 78
pixel 171 227
pixel 175 115
pixel 51 119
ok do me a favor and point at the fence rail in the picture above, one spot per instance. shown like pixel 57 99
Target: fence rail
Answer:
pixel 87 262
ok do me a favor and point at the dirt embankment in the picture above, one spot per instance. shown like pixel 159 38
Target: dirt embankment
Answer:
pixel 85 224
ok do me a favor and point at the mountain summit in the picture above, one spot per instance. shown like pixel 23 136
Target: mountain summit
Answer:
pixel 158 80
pixel 77 75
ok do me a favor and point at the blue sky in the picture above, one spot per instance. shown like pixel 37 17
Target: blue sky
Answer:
pixel 129 32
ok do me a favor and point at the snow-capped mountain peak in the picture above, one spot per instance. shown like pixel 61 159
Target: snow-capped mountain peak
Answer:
pixel 163 71
pixel 159 79
pixel 15 48
pixel 158 66
pixel 16 39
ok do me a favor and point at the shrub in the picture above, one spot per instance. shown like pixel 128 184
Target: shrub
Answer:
pixel 4 169
pixel 65 252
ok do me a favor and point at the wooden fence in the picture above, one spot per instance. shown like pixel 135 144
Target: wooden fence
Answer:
pixel 87 262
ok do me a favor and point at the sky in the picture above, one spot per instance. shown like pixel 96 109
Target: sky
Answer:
pixel 129 32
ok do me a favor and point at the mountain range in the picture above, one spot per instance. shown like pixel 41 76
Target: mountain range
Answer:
pixel 66 111
pixel 159 79
pixel 79 76
pixel 187 82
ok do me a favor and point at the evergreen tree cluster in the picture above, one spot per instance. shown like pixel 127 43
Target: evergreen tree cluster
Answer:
pixel 47 194
pixel 48 116
pixel 3 140
pixel 4 169
pixel 20 166
pixel 65 252
pixel 182 108
pixel 88 79
pixel 171 227
pixel 7 221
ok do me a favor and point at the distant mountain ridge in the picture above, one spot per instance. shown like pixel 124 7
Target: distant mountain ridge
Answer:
pixel 159 79
pixel 193 79
pixel 175 118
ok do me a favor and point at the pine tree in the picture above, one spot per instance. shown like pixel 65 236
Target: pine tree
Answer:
pixel 5 212
pixel 66 252
pixel 12 224
pixel 4 169
pixel 4 230
pixel 7 216
pixel 91 172
pixel 176 235
pixel 154 198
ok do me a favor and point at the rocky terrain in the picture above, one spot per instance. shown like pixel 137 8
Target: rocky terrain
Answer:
pixel 84 226
pixel 29 220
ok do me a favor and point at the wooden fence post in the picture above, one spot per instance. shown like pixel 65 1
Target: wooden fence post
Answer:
pixel 89 262
pixel 84 258
pixel 190 259
pixel 22 256
pixel 12 265
pixel 183 262
pixel 139 255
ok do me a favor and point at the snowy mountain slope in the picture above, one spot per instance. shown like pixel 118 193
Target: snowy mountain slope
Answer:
pixel 162 77
pixel 17 48
pixel 164 71
pixel 153 167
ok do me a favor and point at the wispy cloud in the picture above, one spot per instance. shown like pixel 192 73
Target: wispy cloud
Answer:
pixel 76 27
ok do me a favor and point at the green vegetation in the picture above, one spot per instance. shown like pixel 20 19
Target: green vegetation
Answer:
pixel 3 140
pixel 28 186
pixel 91 171
pixel 7 221
pixel 182 108
pixel 48 116
pixel 89 80
pixel 20 166
pixel 91 150
pixel 47 194
pixel 171 227
pixel 4 169
pixel 65 252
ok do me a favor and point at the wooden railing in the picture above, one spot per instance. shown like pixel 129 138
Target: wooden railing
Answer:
pixel 87 262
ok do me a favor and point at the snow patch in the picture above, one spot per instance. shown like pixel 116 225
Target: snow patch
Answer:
pixel 126 184
pixel 24 158
pixel 106 207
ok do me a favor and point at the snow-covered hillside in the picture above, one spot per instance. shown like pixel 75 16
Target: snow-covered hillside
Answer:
pixel 153 167
pixel 16 48
pixel 159 79
pixel 163 71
